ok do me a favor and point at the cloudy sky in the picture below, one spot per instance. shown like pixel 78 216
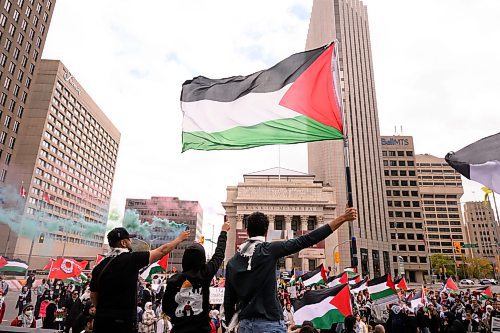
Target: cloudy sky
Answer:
pixel 436 75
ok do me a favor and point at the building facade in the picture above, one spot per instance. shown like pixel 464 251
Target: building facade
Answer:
pixel 65 159
pixel 406 220
pixel 347 22
pixel 440 189
pixel 294 202
pixel 24 25
pixel 171 209
pixel 482 229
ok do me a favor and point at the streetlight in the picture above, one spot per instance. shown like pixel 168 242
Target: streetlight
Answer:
pixel 335 247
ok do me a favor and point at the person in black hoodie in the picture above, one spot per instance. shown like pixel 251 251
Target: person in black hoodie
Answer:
pixel 251 273
pixel 186 299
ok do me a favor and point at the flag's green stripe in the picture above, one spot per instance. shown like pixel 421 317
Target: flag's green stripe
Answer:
pixel 283 131
pixel 382 294
pixel 331 317
pixel 13 269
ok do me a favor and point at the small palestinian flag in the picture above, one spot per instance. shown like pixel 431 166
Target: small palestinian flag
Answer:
pixel 296 100
pixel 14 266
pixel 381 287
pixel 315 277
pixel 360 286
pixel 479 161
pixel 417 299
pixel 78 280
pixel 354 279
pixel 450 285
pixel 401 284
pixel 158 267
pixel 323 307
pixel 3 262
pixel 292 279
pixel 336 280
pixel 484 292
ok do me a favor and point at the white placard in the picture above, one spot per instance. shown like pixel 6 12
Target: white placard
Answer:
pixel 216 295
pixel 495 325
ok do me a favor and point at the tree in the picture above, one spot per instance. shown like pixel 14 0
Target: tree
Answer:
pixel 442 263
pixel 477 267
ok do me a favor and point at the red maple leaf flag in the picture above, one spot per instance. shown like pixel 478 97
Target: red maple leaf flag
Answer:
pixel 64 268
pixel 3 262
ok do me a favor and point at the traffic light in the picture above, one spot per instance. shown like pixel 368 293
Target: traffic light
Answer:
pixel 202 240
pixel 354 253
pixel 457 247
pixel 337 257
pixel 41 238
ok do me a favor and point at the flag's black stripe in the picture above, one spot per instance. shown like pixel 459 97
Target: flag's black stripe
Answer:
pixel 359 284
pixel 316 296
pixel 461 167
pixel 378 280
pixel 330 279
pixel 310 274
pixel 232 88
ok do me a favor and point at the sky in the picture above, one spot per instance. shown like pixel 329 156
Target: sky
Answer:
pixel 435 62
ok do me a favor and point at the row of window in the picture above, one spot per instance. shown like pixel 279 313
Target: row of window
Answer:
pixel 394 163
pixel 404 193
pixel 365 265
pixel 3 138
pixel 279 222
pixel 434 229
pixel 416 215
pixel 433 222
pixel 408 247
pixel 401 235
pixel 408 225
pixel 66 208
pixel 399 153
pixel 442 216
pixel 450 170
pixel 454 236
pixel 439 184
pixel 413 259
pixel 397 182
pixel 391 203
pixel 441 209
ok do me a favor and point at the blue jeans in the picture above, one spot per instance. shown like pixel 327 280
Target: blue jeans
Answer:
pixel 261 326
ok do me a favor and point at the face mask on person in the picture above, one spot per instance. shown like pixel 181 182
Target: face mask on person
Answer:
pixel 29 313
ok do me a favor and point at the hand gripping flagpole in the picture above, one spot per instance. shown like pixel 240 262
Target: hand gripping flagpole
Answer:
pixel 338 93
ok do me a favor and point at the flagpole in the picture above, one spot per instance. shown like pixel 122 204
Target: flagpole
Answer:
pixel 338 93
pixel 279 165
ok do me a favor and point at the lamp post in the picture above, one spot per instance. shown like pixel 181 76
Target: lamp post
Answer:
pixel 335 247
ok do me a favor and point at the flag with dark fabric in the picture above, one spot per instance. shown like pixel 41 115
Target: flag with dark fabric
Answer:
pixel 323 307
pixel 479 161
pixel 360 286
pixel 296 100
pixel 381 287
pixel 315 277
pixel 341 278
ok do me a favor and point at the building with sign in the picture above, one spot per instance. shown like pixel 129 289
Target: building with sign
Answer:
pixel 347 22
pixel 405 215
pixel 294 202
pixel 482 229
pixel 65 160
pixel 171 209
pixel 440 189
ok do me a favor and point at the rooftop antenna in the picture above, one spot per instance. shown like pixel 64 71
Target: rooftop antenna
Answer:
pixel 401 129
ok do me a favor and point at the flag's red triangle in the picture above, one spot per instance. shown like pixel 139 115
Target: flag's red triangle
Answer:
pixel 487 292
pixel 344 279
pixel 389 283
pixel 3 262
pixel 312 94
pixel 450 284
pixel 163 262
pixel 402 284
pixel 323 274
pixel 342 301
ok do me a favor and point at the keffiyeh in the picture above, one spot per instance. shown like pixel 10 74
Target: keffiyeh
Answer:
pixel 248 247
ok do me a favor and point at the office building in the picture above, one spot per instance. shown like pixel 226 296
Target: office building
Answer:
pixel 482 229
pixel 405 216
pixel 24 25
pixel 294 202
pixel 65 159
pixel 347 22
pixel 440 189
pixel 171 209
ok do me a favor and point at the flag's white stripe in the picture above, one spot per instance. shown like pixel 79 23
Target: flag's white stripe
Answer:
pixel 357 290
pixel 487 174
pixel 15 264
pixel 311 311
pixel 313 279
pixel 334 282
pixel 147 271
pixel 251 109
pixel 377 288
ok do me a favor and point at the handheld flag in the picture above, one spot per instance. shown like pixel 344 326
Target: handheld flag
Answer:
pixel 14 266
pixel 479 161
pixel 3 262
pixel 450 284
pixel 315 277
pixel 48 265
pixel 381 287
pixel 158 267
pixel 323 307
pixel 296 100
pixel 401 284
pixel 338 279
pixel 64 268
pixel 360 286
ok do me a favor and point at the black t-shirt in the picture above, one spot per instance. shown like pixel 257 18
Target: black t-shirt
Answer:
pixel 117 288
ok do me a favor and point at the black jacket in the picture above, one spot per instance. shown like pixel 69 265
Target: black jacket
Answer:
pixel 186 299
pixel 255 291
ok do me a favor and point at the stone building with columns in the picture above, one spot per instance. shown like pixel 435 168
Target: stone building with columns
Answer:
pixel 294 202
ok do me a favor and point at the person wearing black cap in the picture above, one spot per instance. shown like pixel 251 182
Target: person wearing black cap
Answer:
pixel 114 281
pixel 186 299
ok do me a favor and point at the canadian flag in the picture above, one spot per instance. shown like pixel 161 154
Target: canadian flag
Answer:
pixel 64 268
pixel 22 192
pixel 46 197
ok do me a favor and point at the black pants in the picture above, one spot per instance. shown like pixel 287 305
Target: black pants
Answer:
pixel 106 325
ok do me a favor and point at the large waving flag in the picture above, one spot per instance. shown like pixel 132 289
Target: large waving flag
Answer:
pixel 315 277
pixel 323 307
pixel 3 262
pixel 157 267
pixel 381 287
pixel 360 286
pixel 14 266
pixel 65 268
pixel 484 292
pixel 450 285
pixel 296 100
pixel 479 161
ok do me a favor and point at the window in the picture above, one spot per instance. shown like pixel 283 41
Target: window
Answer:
pixel 15 129
pixel 7 44
pixel 24 60
pixel 279 222
pixel 15 54
pixel 12 30
pixel 12 142
pixel 411 173
pixel 3 136
pixel 387 263
pixel 12 68
pixel 7 158
pixel 365 267
pixel 20 111
pixel 411 163
pixel 6 84
pixel 376 263
pixel 402 163
pixel 312 264
pixel 3 98
pixel 3 20
pixel 7 5
pixel 311 223
pixel 295 223
pixel 2 175
pixel 24 24
pixel 401 153
pixel 6 122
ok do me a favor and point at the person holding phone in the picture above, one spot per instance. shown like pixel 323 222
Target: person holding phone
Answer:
pixel 114 281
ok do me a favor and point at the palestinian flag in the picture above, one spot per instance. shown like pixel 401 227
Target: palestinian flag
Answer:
pixel 401 284
pixel 360 286
pixel 484 292
pixel 417 299
pixel 296 100
pixel 78 280
pixel 3 262
pixel 292 279
pixel 14 266
pixel 323 307
pixel 354 279
pixel 315 277
pixel 336 280
pixel 479 161
pixel 450 285
pixel 381 287
pixel 155 268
